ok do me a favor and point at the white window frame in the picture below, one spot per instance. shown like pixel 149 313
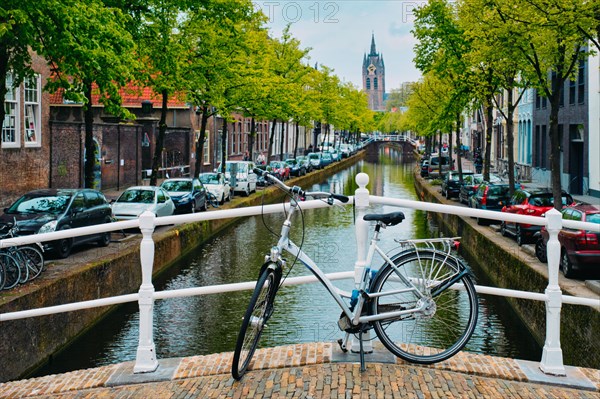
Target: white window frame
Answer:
pixel 15 101
pixel 206 150
pixel 32 109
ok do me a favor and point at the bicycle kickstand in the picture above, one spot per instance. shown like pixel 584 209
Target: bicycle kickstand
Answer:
pixel 363 368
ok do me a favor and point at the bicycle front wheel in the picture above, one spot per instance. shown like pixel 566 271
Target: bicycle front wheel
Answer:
pixel 258 312
pixel 438 301
pixel 12 270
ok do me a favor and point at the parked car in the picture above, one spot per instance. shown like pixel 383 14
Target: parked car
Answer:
pixel 136 200
pixel 315 160
pixel 425 168
pixel 245 178
pixel 305 162
pixel 280 169
pixel 470 185
pixel 326 158
pixel 335 155
pixel 451 184
pixel 579 249
pixel 530 202
pixel 434 165
pixel 48 210
pixel 491 197
pixel 297 168
pixel 345 150
pixel 217 185
pixel 188 195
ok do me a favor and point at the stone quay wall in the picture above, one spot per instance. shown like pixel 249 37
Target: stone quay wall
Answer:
pixel 507 266
pixel 111 271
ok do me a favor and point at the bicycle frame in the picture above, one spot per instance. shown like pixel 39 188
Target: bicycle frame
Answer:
pixel 285 244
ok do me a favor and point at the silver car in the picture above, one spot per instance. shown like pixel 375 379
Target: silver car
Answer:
pixel 136 200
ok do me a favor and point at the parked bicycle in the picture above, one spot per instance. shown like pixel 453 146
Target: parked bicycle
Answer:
pixel 19 264
pixel 421 302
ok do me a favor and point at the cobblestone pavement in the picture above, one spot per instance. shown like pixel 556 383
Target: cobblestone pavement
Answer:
pixel 310 371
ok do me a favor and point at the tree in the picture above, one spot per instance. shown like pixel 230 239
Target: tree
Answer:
pixel 226 42
pixel 88 49
pixel 441 47
pixel 90 53
pixel 551 47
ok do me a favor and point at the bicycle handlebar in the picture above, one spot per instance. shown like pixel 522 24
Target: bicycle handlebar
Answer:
pixel 298 190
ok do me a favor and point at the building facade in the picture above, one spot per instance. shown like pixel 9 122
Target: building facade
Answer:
pixel 25 144
pixel 373 77
pixel 573 132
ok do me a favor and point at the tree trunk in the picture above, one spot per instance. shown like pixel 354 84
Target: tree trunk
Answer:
pixel 296 140
pixel 90 150
pixel 162 131
pixel 271 137
pixel 510 142
pixel 283 125
pixel 440 155
pixel 200 142
pixel 488 140
pixel 224 135
pixel 555 169
pixel 458 147
pixel 251 138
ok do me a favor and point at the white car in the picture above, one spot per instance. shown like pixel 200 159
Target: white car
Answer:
pixel 217 185
pixel 245 178
pixel 135 200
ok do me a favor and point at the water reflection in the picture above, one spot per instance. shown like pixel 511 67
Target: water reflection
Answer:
pixel 209 324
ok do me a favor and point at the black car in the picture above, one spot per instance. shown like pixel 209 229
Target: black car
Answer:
pixel 492 197
pixel 188 194
pixel 425 168
pixel 48 210
pixel 451 184
pixel 296 168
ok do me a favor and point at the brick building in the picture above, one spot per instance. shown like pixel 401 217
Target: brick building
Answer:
pixel 25 142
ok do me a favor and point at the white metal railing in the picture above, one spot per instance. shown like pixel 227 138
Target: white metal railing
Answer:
pixel 551 362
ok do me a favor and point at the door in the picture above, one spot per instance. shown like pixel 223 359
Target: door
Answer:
pixel 576 168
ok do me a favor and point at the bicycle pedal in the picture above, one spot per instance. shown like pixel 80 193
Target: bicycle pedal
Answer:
pixel 342 346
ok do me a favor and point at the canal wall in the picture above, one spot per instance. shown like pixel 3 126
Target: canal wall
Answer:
pixel 105 272
pixel 507 265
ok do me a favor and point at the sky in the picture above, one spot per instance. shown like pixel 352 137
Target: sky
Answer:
pixel 339 34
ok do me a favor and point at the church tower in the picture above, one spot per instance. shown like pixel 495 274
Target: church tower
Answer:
pixel 373 75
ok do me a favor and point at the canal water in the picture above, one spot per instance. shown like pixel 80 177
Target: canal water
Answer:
pixel 306 313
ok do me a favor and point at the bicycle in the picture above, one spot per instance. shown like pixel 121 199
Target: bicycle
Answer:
pixel 420 289
pixel 27 261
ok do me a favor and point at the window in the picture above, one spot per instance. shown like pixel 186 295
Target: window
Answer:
pixel 571 92
pixel 544 102
pixel 32 111
pixel 537 100
pixel 206 145
pixel 581 83
pixel 368 83
pixel 10 128
pixel 375 83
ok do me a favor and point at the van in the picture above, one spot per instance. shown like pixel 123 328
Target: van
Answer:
pixel 434 165
pixel 245 178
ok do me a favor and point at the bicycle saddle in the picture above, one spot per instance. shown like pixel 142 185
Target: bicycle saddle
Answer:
pixel 389 219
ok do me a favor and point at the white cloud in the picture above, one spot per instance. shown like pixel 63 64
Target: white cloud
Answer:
pixel 339 33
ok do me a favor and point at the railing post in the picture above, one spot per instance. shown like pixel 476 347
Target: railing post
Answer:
pixel 361 202
pixel 552 359
pixel 145 361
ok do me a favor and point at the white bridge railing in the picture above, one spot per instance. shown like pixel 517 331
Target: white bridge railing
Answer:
pixel 551 362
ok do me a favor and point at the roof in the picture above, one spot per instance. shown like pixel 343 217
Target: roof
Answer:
pixel 131 95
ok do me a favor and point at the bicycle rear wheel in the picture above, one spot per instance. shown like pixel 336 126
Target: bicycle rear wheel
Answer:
pixel 447 315
pixel 258 312
pixel 33 259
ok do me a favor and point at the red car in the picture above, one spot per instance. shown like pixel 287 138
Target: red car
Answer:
pixel 280 169
pixel 579 249
pixel 529 202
